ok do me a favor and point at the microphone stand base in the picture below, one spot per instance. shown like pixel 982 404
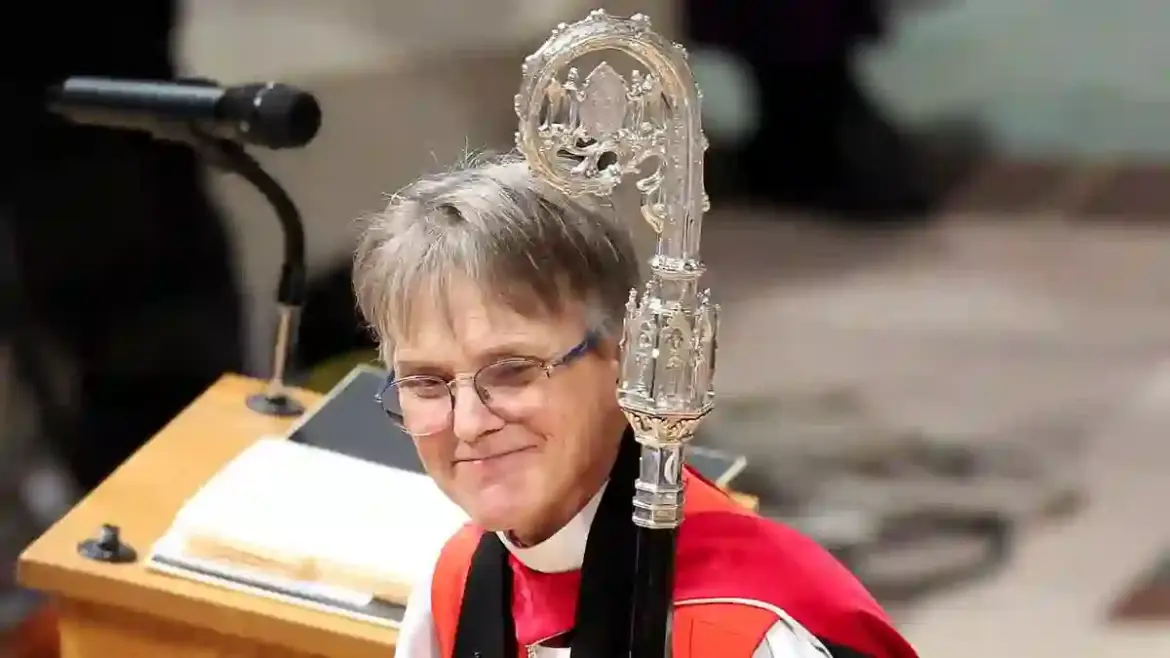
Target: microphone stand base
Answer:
pixel 281 405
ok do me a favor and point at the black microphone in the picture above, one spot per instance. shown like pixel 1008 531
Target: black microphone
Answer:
pixel 270 115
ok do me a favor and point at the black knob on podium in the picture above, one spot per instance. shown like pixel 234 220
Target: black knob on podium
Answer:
pixel 108 547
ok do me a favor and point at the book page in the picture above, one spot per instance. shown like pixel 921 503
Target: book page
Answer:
pixel 304 514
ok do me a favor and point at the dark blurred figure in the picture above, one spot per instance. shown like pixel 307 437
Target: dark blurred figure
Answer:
pixel 125 264
pixel 822 144
pixel 331 323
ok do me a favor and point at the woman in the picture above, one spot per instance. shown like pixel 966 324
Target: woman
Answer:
pixel 497 300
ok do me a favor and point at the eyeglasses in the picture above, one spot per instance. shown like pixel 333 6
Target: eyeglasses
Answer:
pixel 423 405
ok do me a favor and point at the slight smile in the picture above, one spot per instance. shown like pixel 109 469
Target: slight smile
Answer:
pixel 489 458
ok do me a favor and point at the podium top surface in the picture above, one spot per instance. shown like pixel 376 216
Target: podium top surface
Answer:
pixel 143 496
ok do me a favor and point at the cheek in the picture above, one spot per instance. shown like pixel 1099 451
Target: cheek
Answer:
pixel 558 418
pixel 594 397
pixel 565 426
pixel 435 453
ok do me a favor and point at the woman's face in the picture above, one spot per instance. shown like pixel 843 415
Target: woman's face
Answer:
pixel 531 473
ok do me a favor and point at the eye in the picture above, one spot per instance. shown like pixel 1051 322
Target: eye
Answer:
pixel 422 387
pixel 511 373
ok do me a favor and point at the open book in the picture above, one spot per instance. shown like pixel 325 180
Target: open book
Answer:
pixel 311 526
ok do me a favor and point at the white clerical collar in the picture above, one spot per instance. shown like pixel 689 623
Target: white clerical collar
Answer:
pixel 565 550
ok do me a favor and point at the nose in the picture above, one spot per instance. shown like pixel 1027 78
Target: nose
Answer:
pixel 472 418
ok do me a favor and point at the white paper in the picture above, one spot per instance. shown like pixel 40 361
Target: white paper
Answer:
pixel 298 500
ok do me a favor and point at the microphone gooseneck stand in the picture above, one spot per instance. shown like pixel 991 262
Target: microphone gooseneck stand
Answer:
pixel 216 122
pixel 583 135
pixel 229 156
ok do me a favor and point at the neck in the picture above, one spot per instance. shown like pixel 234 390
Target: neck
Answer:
pixel 564 513
pixel 562 551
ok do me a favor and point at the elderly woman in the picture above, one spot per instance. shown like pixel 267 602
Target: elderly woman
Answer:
pixel 497 300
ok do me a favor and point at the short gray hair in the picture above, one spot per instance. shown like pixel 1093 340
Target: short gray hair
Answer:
pixel 529 245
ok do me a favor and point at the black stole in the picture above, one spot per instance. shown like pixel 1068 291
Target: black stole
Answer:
pixel 487 628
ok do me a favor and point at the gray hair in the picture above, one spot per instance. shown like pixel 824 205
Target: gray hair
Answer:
pixel 530 246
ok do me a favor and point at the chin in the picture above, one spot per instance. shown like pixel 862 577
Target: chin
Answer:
pixel 499 510
pixel 498 520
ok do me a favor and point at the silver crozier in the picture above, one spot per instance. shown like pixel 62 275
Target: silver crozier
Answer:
pixel 613 128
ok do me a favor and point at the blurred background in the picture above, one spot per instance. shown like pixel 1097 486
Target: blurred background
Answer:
pixel 939 234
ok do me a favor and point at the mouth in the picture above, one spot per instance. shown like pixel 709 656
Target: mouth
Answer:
pixel 491 458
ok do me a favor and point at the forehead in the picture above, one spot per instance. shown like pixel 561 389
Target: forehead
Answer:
pixel 466 326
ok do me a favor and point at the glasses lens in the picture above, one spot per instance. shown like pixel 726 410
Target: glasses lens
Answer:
pixel 513 388
pixel 422 405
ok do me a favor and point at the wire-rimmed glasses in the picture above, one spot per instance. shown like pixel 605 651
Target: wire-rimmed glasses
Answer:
pixel 423 405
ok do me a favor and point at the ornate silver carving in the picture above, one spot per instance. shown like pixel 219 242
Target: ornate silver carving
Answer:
pixel 585 135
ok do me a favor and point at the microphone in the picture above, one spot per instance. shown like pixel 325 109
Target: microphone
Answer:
pixel 216 122
pixel 269 115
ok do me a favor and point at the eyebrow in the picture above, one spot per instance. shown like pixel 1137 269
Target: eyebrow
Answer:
pixel 484 357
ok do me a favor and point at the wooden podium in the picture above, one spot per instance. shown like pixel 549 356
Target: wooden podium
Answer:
pixel 126 611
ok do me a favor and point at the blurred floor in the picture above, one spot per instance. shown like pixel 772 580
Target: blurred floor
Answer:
pixel 1054 597
pixel 1001 327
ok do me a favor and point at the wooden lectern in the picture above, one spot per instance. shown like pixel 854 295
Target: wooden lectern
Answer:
pixel 126 611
